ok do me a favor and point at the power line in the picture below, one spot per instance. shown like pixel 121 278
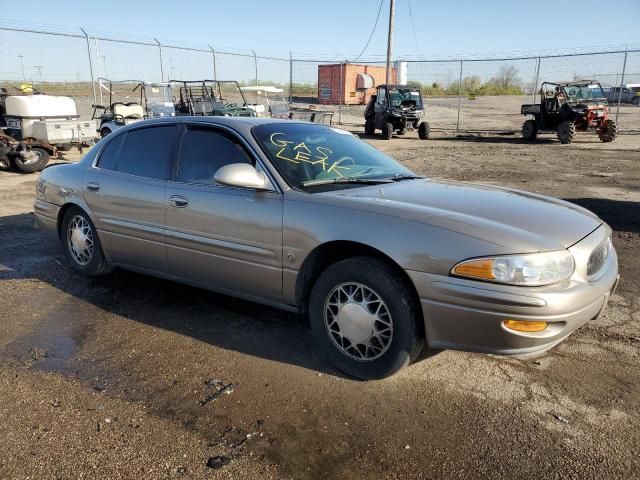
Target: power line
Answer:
pixel 372 31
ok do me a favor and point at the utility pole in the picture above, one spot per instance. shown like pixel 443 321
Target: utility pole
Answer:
pixel 39 69
pixel 24 78
pixel 392 8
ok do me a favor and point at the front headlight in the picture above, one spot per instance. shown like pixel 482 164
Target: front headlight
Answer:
pixel 532 269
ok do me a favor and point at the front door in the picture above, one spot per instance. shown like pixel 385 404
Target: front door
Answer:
pixel 126 193
pixel 380 107
pixel 225 237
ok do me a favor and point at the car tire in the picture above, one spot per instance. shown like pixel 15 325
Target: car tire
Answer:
pixel 37 160
pixel 89 262
pixel 369 127
pixel 566 132
pixel 387 130
pixel 372 284
pixel 424 131
pixel 104 132
pixel 636 101
pixel 529 130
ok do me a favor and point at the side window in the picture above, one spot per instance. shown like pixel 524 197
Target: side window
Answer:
pixel 109 154
pixel 146 152
pixel 203 151
pixel 382 96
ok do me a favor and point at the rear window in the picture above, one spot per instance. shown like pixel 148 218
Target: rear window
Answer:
pixel 146 152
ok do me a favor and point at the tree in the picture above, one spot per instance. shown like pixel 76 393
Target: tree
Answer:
pixel 507 77
pixel 471 84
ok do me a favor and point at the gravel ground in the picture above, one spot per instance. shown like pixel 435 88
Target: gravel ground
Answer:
pixel 128 376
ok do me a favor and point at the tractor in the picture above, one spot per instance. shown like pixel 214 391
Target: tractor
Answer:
pixel 567 108
pixel 395 109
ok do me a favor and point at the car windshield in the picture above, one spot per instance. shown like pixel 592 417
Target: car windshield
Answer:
pixel 317 157
pixel 578 93
pixel 403 97
pixel 159 102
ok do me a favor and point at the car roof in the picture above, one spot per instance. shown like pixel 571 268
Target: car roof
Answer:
pixel 241 124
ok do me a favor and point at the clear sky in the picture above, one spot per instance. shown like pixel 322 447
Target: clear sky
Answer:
pixel 325 30
pixel 343 26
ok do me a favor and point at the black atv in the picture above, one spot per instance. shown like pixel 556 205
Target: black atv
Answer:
pixel 395 109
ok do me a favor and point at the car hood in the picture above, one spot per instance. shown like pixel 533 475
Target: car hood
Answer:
pixel 517 220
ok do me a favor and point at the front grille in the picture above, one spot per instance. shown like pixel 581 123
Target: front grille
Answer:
pixel 598 258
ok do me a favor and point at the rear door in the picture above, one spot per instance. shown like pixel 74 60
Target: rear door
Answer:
pixel 225 237
pixel 126 192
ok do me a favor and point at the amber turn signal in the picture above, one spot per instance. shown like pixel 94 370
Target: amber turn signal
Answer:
pixel 481 268
pixel 525 325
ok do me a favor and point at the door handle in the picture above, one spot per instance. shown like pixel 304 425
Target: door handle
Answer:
pixel 178 201
pixel 93 186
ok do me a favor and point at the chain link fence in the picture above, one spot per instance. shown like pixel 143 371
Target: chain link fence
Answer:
pixel 465 95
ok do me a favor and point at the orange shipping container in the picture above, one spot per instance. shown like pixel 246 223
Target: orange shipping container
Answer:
pixel 350 83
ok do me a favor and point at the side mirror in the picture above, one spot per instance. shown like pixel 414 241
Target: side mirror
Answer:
pixel 242 175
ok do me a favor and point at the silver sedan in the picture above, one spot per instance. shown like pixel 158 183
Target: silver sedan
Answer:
pixel 311 219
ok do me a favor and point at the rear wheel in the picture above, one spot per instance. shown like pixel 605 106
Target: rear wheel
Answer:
pixel 424 131
pixel 609 131
pixel 529 130
pixel 566 132
pixel 387 130
pixel 369 126
pixel 82 245
pixel 365 319
pixel 33 160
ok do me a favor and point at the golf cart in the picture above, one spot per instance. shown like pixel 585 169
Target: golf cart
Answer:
pixel 395 108
pixel 211 98
pixel 150 100
pixel 567 108
pixel 269 101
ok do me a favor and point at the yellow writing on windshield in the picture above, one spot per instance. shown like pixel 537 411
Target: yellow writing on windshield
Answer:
pixel 301 153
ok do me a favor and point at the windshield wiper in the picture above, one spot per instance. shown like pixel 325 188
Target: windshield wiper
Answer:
pixel 343 180
pixel 404 176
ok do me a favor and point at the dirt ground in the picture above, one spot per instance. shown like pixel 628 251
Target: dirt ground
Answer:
pixel 128 376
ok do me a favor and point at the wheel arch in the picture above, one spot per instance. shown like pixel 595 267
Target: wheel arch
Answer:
pixel 63 210
pixel 328 253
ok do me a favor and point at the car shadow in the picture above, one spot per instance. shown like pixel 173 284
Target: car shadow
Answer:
pixel 219 320
pixel 498 139
pixel 621 215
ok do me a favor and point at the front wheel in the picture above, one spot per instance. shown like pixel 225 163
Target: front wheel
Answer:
pixel 635 101
pixel 424 131
pixel 104 132
pixel 387 130
pixel 566 132
pixel 365 319
pixel 82 245
pixel 609 131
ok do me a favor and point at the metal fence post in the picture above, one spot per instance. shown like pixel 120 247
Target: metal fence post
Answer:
pixel 341 92
pixel 459 97
pixel 535 80
pixel 215 68
pixel 255 61
pixel 161 66
pixel 93 83
pixel 624 69
pixel 290 77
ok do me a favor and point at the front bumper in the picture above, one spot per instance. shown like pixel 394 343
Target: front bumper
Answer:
pixel 469 315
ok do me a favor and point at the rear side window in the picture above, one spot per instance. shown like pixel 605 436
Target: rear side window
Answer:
pixel 146 152
pixel 203 151
pixel 110 153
